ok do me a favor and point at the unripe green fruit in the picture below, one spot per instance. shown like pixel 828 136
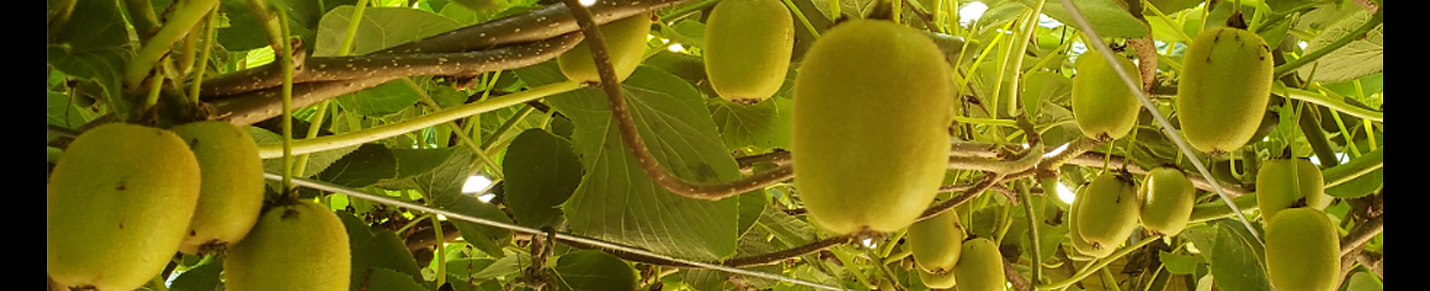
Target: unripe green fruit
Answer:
pixel 1167 200
pixel 625 42
pixel 872 104
pixel 117 206
pixel 1288 183
pixel 747 48
pixel 1224 88
pixel 936 242
pixel 231 193
pixel 1302 251
pixel 1079 244
pixel 980 268
pixel 302 246
pixel 1105 109
pixel 1109 214
pixel 938 281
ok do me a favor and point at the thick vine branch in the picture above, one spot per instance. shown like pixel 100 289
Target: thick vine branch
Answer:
pixel 322 69
pixel 988 181
pixel 630 136
pixel 1361 234
pixel 538 24
pixel 255 106
pixel 779 256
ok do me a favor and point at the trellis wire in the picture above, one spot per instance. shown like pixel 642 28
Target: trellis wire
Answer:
pixel 319 185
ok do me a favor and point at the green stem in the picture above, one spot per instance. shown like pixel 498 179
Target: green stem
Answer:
pixel 507 126
pixel 331 142
pixel 1375 20
pixel 351 34
pixel 1018 56
pixel 203 61
pixel 1033 236
pixel 1329 102
pixel 803 19
pixel 852 268
pixel 180 23
pixel 986 121
pixel 314 124
pixel 141 15
pixel 1099 265
pixel 1148 4
pixel 457 129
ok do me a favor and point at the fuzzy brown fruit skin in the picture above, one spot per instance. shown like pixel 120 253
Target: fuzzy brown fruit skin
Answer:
pixel 872 105
pixel 625 42
pixel 980 268
pixel 1287 183
pixel 301 246
pixel 1167 201
pixel 1105 109
pixel 936 242
pixel 1109 214
pixel 117 206
pixel 1224 88
pixel 1302 251
pixel 747 48
pixel 231 194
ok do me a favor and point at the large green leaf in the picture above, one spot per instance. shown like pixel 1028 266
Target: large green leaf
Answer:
pixel 381 27
pixel 1361 57
pixel 594 271
pixel 377 252
pixel 1105 16
pixel 541 173
pixel 617 201
pixel 244 33
pixel 764 125
pixel 383 100
pixel 93 46
pixel 443 186
pixel 201 278
pixel 1239 260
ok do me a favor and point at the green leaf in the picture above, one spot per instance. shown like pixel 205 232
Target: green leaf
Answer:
pixel 1105 16
pixel 1239 260
pixel 594 271
pixel 1361 57
pixel 201 278
pixel 1044 87
pixel 1360 186
pixel 61 111
pixel 1365 281
pixel 1171 7
pixel 376 251
pixel 383 100
pixel 443 186
pixel 617 201
pixel 764 125
pixel 381 27
pixel 245 33
pixel 317 162
pixel 1179 264
pixel 541 173
pixel 383 279
pixel 93 46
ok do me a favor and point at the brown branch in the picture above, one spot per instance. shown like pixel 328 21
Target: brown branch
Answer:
pixel 1361 234
pixel 776 257
pixel 976 190
pixel 1019 283
pixel 255 106
pixel 1095 159
pixel 320 69
pixel 537 24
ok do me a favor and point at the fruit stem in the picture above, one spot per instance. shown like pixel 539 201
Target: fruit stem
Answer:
pixel 180 22
pixel 1336 104
pixel 203 64
pixel 1375 20
pixel 798 14
pixel 1033 236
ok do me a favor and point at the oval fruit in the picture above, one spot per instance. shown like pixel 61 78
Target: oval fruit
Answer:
pixel 871 111
pixel 747 48
pixel 1289 183
pixel 231 193
pixel 1167 200
pixel 302 246
pixel 936 242
pixel 1079 244
pixel 1103 106
pixel 936 281
pixel 1224 88
pixel 625 41
pixel 981 267
pixel 1302 251
pixel 117 206
pixel 1109 215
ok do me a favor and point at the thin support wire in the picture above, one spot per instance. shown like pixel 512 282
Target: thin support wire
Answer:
pixel 1161 120
pixel 319 185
